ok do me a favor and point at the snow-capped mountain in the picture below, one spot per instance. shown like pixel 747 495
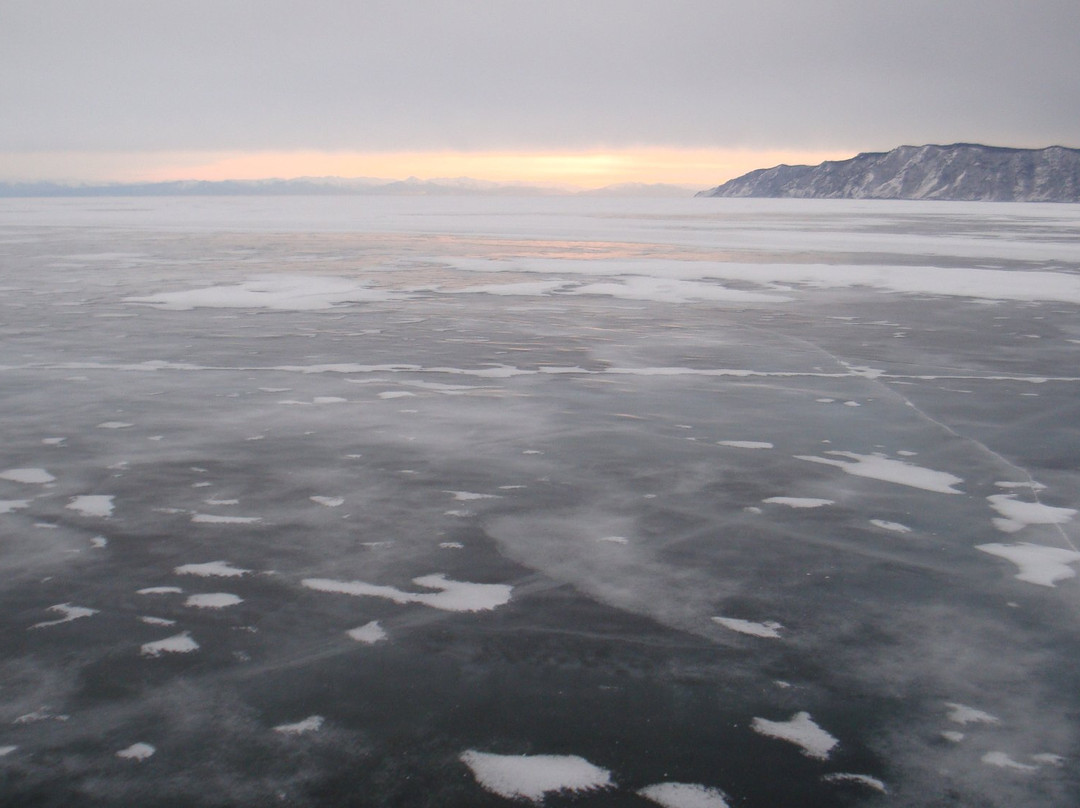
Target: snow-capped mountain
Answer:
pixel 962 171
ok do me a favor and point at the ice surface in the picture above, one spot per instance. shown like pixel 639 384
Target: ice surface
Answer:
pixel 312 723
pixel 454 596
pixel 901 472
pixel 369 633
pixel 7 750
pixel 137 751
pixel 329 502
pixel 548 368
pixel 220 569
pixel 69 613
pixel 770 628
pixel 181 643
pixel 799 502
pixel 530 777
pixel 213 600
pixel 1016 514
pixel 684 795
pixel 1038 564
pixel 92 505
pixel 800 730
pixel 28 476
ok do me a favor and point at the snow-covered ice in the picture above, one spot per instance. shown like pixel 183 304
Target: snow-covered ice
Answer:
pixel 213 600
pixel 69 612
pixel 100 505
pixel 137 751
pixel 799 502
pixel 1016 514
pixel 313 723
pixel 901 472
pixel 861 779
pixel 800 730
pixel 181 643
pixel 963 714
pixel 369 633
pixel 219 569
pixel 453 596
pixel 1038 563
pixel 768 629
pixel 531 777
pixel 30 476
pixel 684 795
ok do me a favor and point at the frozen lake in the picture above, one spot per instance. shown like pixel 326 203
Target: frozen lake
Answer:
pixel 461 501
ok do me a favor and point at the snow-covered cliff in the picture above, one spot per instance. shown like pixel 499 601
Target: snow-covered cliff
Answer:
pixel 962 171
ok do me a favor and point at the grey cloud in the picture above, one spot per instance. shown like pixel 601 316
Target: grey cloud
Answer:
pixel 478 75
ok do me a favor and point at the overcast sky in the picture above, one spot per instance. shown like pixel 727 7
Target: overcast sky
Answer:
pixel 416 75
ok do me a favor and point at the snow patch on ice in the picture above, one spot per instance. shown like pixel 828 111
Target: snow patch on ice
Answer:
pixel 369 633
pixel 454 596
pixel 799 502
pixel 160 590
pixel 770 628
pixel 115 425
pixel 468 496
pixel 277 292
pixel 9 505
pixel 901 472
pixel 156 621
pixel 1016 515
pixel 684 795
pixel 214 519
pixel 220 569
pixel 329 502
pixel 27 476
pixel 312 723
pixel 1038 564
pixel 69 613
pixel 895 527
pixel 181 643
pixel 137 751
pixel 962 714
pixel 1003 761
pixel 213 600
pixel 800 730
pixel 862 779
pixel 92 505
pixel 530 777
pixel 746 444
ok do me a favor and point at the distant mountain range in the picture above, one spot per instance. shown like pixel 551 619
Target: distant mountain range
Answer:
pixel 962 171
pixel 327 186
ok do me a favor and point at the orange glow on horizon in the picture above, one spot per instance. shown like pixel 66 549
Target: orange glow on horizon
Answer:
pixel 698 168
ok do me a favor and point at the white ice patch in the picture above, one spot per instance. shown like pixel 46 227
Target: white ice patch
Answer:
pixel 69 613
pixel 214 519
pixel 952 736
pixel 962 714
pixel 7 750
pixel 1016 515
pixel 278 292
pixel 745 444
pixel 369 633
pixel 684 795
pixel 329 502
pixel 160 590
pixel 895 527
pixel 27 476
pixel 156 621
pixel 799 502
pixel 9 505
pixel 451 545
pixel 389 394
pixel 218 569
pixel 115 425
pixel 801 731
pixel 455 596
pixel 137 751
pixel 614 539
pixel 770 628
pixel 99 542
pixel 878 467
pixel 1038 564
pixel 329 400
pixel 468 496
pixel 181 643
pixel 213 600
pixel 312 723
pixel 861 779
pixel 665 290
pixel 1003 761
pixel 530 777
pixel 100 505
